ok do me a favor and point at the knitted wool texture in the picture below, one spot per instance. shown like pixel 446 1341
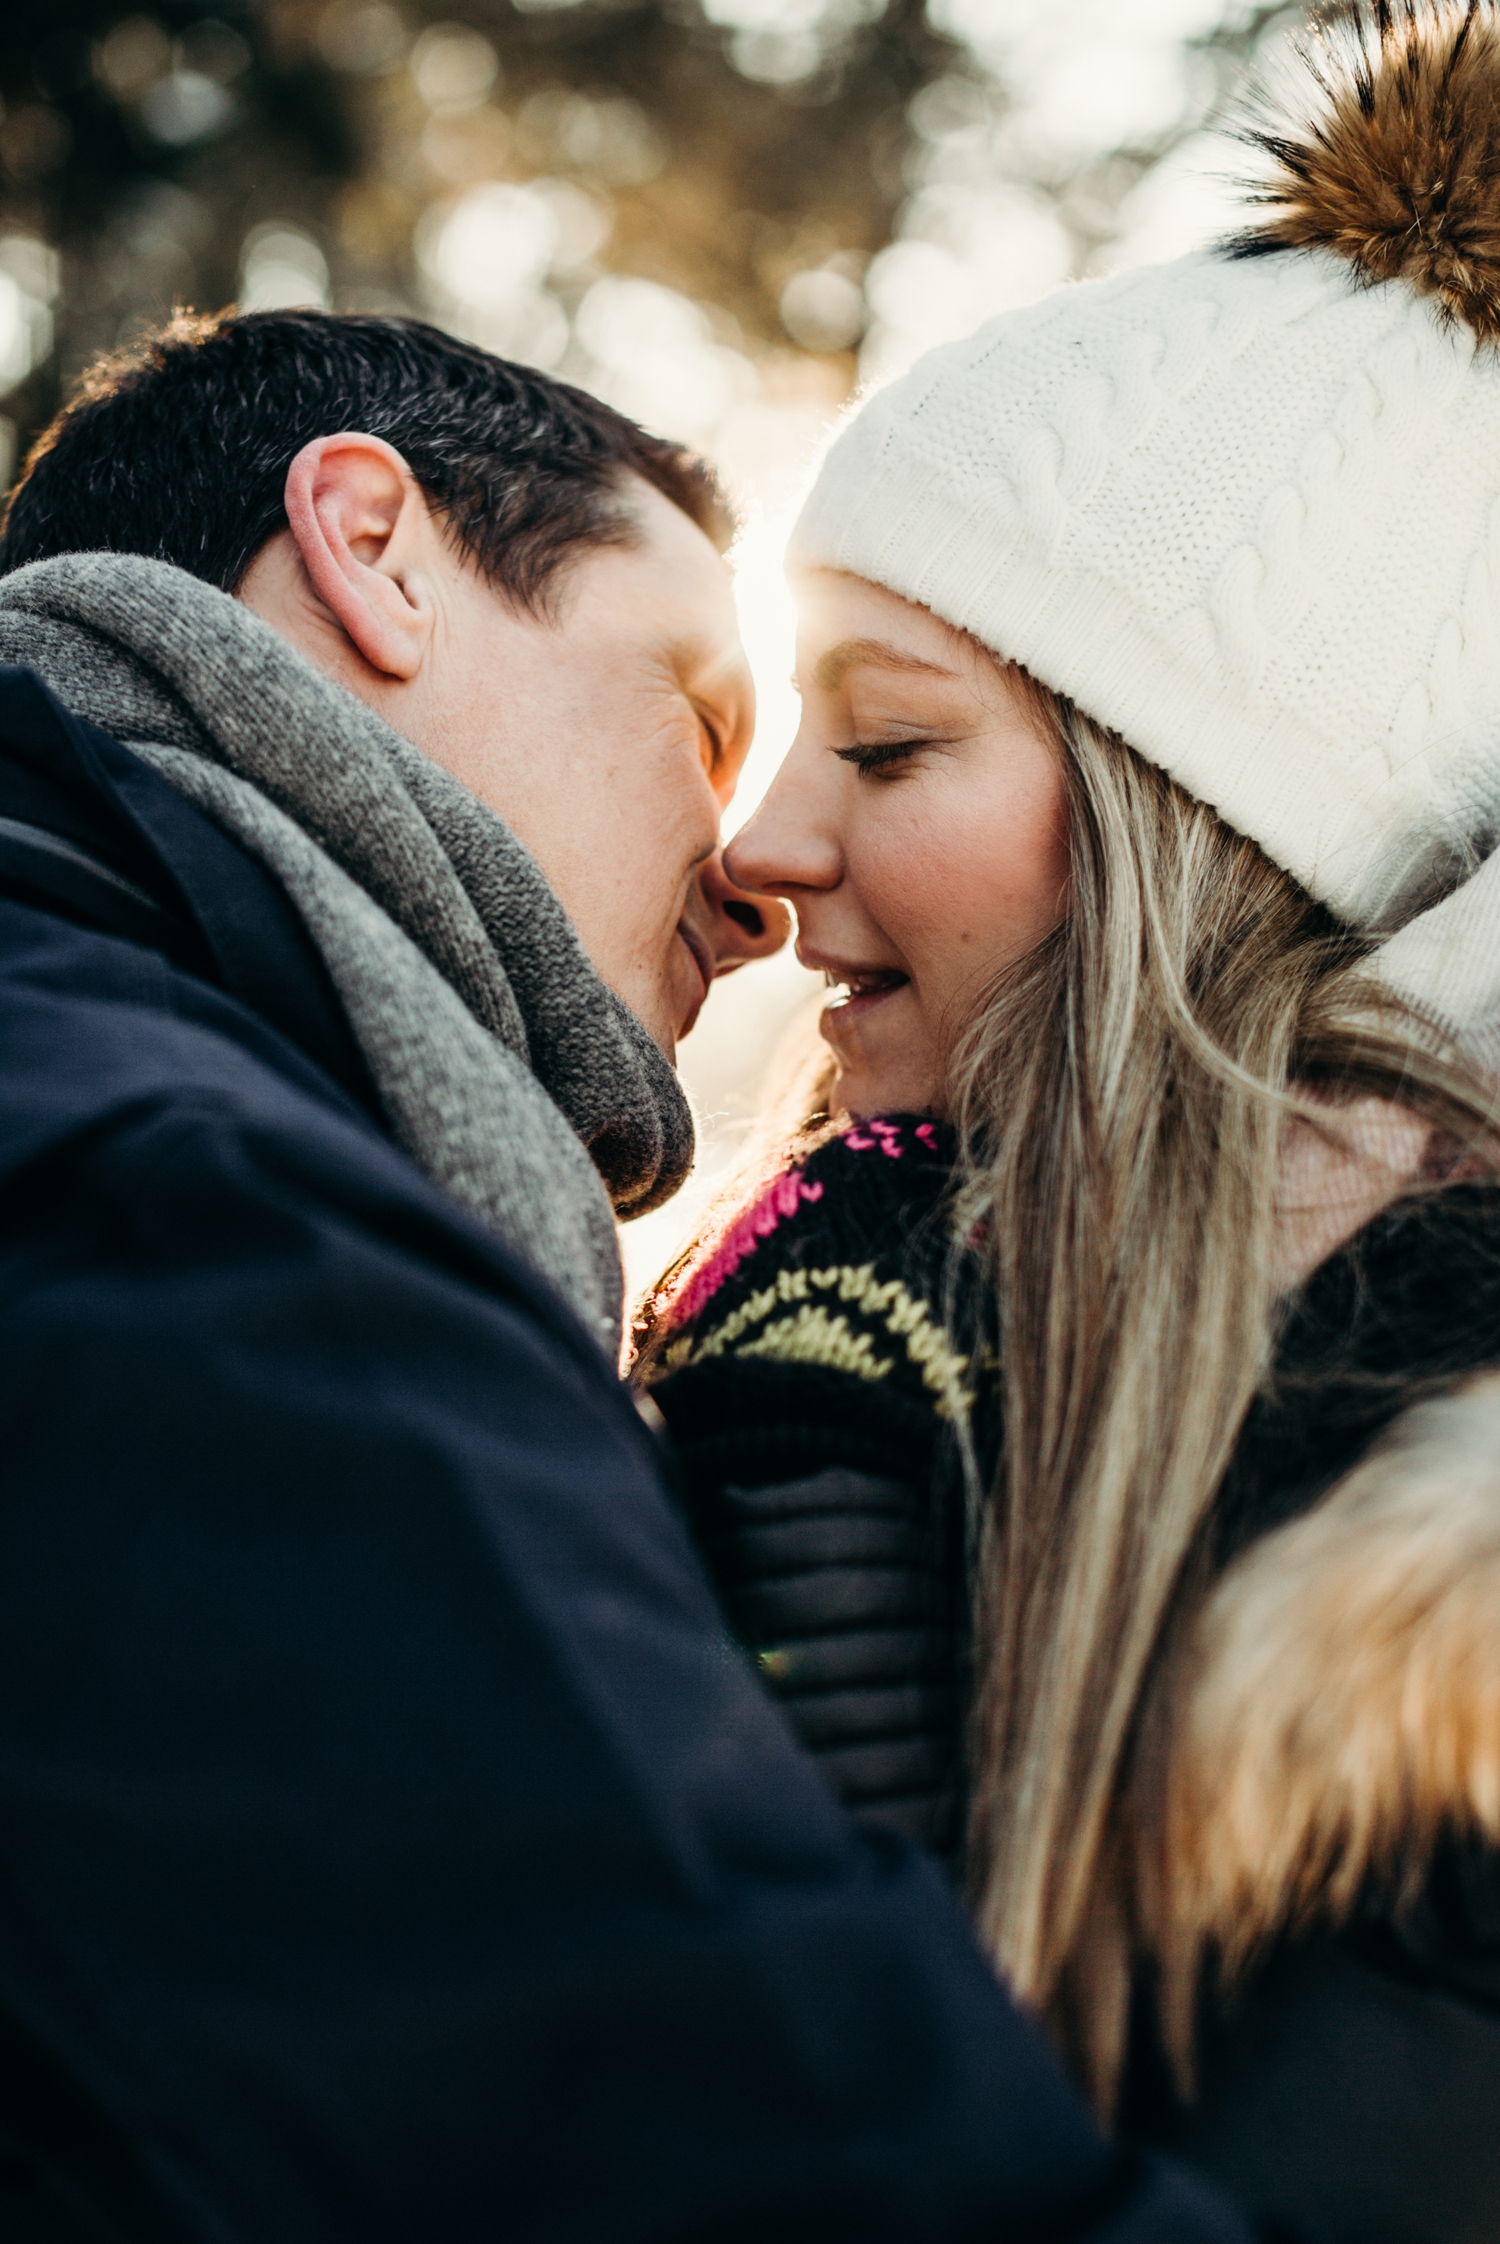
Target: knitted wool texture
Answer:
pixel 816 1322
pixel 1245 512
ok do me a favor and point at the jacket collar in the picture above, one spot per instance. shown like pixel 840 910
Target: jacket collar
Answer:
pixel 226 919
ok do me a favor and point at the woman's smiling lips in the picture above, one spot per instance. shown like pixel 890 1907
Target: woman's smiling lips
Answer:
pixel 858 990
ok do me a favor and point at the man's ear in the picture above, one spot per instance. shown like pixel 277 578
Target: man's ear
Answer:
pixel 363 530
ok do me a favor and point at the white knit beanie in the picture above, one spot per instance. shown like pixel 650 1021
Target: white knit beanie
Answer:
pixel 1244 509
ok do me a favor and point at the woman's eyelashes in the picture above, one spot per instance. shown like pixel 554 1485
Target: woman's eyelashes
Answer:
pixel 879 755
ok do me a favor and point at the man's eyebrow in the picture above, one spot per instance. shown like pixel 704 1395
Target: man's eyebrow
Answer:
pixel 711 662
pixel 852 654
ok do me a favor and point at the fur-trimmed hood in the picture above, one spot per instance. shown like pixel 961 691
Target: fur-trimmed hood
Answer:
pixel 1335 1711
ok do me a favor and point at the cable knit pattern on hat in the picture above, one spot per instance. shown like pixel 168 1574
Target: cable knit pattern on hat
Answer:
pixel 1245 513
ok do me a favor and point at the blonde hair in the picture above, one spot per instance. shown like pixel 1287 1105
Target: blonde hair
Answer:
pixel 1123 1094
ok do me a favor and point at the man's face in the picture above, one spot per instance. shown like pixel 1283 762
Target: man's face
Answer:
pixel 609 739
pixel 608 734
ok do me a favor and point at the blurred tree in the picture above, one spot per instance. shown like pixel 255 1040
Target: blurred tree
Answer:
pixel 132 145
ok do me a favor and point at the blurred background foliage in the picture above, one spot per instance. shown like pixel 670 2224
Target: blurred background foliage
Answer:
pixel 721 213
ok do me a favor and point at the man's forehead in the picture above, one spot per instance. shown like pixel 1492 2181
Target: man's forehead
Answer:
pixel 663 577
pixel 671 536
pixel 688 583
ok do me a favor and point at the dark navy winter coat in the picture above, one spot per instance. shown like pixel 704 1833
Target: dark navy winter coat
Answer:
pixel 392 1846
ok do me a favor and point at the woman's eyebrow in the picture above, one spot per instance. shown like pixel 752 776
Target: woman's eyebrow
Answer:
pixel 851 654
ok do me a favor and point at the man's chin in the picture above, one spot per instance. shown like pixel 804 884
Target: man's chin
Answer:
pixel 659 1026
pixel 681 1008
pixel 673 1013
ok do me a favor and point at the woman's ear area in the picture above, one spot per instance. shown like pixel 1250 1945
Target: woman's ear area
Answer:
pixel 364 533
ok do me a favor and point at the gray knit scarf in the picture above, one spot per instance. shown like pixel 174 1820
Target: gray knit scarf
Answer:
pixel 497 1052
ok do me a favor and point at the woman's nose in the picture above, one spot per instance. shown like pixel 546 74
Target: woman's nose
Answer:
pixel 739 924
pixel 791 842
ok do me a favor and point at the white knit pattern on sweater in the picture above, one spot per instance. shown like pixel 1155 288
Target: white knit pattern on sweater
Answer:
pixel 1246 514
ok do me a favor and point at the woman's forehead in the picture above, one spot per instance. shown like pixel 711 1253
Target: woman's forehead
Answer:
pixel 835 609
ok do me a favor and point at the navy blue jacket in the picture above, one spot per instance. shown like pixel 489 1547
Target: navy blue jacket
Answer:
pixel 392 1845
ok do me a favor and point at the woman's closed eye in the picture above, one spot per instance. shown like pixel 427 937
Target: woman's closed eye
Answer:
pixel 880 755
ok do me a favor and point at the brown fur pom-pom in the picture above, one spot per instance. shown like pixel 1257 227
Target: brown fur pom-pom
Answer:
pixel 1397 167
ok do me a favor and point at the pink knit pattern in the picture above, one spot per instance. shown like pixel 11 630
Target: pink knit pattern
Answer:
pixel 886 1135
pixel 781 1198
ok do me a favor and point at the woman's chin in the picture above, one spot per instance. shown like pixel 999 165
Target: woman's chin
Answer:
pixel 877 1073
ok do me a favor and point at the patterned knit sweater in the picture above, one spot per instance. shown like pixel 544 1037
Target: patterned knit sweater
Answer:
pixel 814 1391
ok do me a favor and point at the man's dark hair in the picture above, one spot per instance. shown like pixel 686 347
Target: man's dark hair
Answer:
pixel 179 447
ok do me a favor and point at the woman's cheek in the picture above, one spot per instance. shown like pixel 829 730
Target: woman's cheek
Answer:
pixel 979 910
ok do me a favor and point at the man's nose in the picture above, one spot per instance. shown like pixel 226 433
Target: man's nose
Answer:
pixel 738 924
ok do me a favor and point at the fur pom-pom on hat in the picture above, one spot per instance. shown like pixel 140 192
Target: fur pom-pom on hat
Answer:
pixel 1244 509
pixel 1397 168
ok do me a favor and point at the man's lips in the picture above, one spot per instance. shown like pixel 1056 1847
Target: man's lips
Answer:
pixel 698 951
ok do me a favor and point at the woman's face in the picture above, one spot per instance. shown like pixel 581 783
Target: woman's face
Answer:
pixel 918 827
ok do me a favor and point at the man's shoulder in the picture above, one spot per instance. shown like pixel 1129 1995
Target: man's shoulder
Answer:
pixel 127 1085
pixel 96 840
pixel 92 1026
